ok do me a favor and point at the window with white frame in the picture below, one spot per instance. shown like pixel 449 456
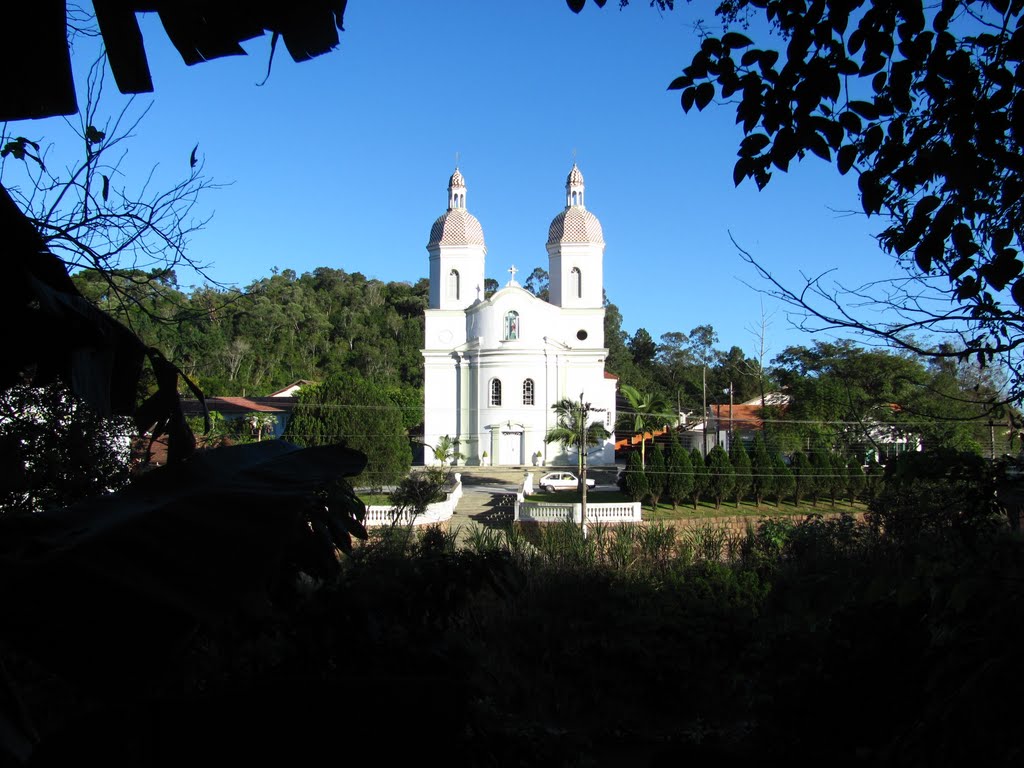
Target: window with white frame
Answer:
pixel 528 392
pixel 495 391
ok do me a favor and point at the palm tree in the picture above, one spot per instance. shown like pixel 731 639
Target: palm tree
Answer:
pixel 447 451
pixel 572 429
pixel 647 412
pixel 260 423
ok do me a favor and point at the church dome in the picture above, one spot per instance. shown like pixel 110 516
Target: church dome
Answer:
pixel 575 176
pixel 456 180
pixel 575 225
pixel 456 227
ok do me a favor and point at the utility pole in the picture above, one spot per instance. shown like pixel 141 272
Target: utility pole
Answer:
pixel 730 416
pixel 707 416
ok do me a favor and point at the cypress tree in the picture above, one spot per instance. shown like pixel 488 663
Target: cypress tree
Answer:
pixel 782 479
pixel 679 478
pixel 874 480
pixel 837 481
pixel 783 484
pixel 818 477
pixel 700 476
pixel 655 472
pixel 741 467
pixel 802 476
pixel 721 479
pixel 762 470
pixel 636 478
pixel 855 479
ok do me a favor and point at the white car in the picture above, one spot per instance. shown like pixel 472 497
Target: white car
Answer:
pixel 561 481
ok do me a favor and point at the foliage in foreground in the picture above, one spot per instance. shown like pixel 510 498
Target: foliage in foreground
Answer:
pixel 56 450
pixel 542 647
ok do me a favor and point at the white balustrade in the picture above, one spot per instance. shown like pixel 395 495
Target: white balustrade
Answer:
pixel 537 512
pixel 438 512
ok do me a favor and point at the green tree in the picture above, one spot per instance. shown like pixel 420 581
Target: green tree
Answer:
pixel 646 413
pixel 783 482
pixel 855 479
pixel 643 348
pixel 537 283
pixel 575 430
pixel 56 450
pixel 700 475
pixel 636 484
pixel 741 466
pixel 679 484
pixel 656 475
pixel 803 477
pixel 721 479
pixel 820 472
pixel 837 480
pixel 762 470
pixel 350 411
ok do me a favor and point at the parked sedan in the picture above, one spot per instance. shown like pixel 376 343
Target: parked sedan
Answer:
pixel 561 481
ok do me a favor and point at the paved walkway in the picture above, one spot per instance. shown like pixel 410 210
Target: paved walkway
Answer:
pixel 487 495
pixel 487 498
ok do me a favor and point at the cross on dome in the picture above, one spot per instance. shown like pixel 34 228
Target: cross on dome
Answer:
pixel 512 271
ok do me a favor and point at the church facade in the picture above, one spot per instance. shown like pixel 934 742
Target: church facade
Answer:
pixel 494 367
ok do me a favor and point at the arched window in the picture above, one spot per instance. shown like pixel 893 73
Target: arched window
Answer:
pixel 495 391
pixel 512 326
pixel 576 278
pixel 453 284
pixel 528 392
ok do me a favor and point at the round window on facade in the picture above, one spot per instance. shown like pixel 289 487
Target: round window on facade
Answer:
pixel 581 335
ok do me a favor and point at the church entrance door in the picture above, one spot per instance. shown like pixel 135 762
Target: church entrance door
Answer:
pixel 511 447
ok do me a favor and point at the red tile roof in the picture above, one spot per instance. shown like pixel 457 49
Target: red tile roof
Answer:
pixel 740 417
pixel 629 442
pixel 239 403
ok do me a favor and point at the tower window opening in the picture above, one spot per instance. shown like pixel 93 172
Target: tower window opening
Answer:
pixel 453 284
pixel 576 280
pixel 528 392
pixel 495 391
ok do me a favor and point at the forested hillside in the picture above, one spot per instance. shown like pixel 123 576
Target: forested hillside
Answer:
pixel 279 329
pixel 312 326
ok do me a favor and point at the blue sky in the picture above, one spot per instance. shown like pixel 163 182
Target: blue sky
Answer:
pixel 343 161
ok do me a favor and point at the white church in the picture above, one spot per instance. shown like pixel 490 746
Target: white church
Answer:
pixel 495 366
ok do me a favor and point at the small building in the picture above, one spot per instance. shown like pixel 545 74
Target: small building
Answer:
pixel 279 408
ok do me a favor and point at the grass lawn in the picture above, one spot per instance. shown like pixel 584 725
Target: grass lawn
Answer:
pixel 375 499
pixel 704 509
